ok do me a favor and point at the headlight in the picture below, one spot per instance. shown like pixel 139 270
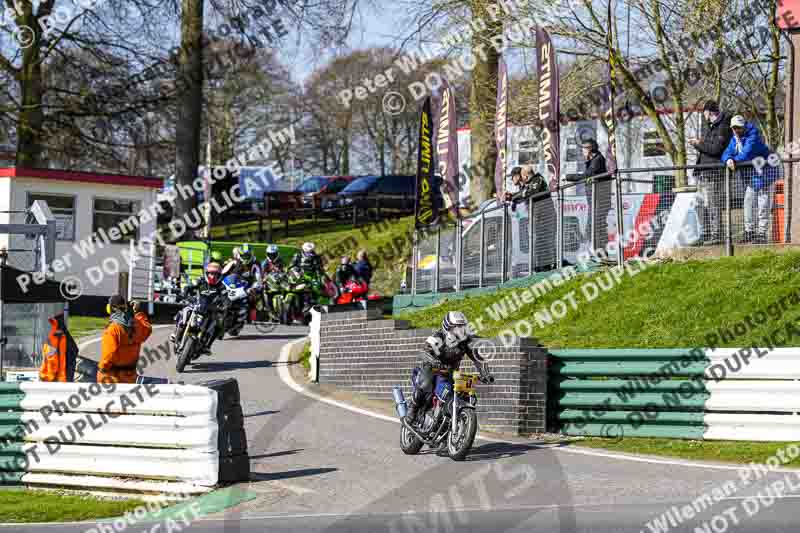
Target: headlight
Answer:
pixel 300 287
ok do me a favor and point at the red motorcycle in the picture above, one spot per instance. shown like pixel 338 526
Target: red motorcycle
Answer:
pixel 355 291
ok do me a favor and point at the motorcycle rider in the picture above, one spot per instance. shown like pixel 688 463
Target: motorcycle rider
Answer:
pixel 210 281
pixel 444 349
pixel 272 262
pixel 245 265
pixel 308 261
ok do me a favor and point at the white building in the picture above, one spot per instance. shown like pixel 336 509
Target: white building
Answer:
pixel 97 215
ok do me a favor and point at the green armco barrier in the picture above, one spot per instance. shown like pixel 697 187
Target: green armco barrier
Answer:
pixel 668 418
pixel 406 303
pixel 612 430
pixel 591 396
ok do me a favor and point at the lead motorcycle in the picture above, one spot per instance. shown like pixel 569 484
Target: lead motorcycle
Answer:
pixel 450 419
pixel 199 324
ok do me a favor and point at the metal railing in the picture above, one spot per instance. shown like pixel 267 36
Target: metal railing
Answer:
pixel 749 205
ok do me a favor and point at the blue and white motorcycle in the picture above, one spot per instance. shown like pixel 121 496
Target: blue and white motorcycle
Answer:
pixel 235 306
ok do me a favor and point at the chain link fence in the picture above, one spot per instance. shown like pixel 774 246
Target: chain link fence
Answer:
pixel 721 207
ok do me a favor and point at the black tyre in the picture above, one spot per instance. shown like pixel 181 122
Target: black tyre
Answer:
pixel 186 353
pixel 409 442
pixel 458 446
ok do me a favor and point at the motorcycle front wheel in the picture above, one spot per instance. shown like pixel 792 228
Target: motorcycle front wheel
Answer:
pixel 409 442
pixel 458 445
pixel 186 353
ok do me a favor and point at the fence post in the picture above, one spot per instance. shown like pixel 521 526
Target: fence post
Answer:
pixel 438 258
pixel 150 272
pixel 560 229
pixel 620 228
pixel 133 260
pixel 355 210
pixel 483 246
pixel 531 253
pixel 269 217
pixel 414 262
pixel 504 245
pixel 728 216
pixel 593 217
pixel 459 252
pixel 377 207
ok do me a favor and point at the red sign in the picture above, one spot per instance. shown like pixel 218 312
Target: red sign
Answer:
pixel 788 17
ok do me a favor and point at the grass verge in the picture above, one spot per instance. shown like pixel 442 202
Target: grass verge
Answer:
pixel 666 305
pixel 697 450
pixel 305 357
pixel 80 326
pixel 24 506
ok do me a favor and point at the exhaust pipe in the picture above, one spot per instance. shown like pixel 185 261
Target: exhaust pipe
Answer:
pixel 414 431
pixel 400 402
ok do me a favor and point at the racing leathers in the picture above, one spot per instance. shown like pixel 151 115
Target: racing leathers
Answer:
pixel 308 263
pixel 200 285
pixel 441 351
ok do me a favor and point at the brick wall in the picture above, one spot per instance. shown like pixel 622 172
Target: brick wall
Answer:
pixel 362 352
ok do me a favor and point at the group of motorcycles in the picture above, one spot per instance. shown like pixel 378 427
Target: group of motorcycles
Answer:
pixel 281 298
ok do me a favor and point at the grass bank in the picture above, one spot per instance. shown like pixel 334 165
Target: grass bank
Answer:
pixel 388 244
pixel 665 305
pixel 24 506
pixel 81 326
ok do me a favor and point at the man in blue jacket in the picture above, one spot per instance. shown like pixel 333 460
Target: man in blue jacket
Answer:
pixel 747 145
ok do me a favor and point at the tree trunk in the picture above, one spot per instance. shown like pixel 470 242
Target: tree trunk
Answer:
pixel 31 117
pixel 190 100
pixel 482 105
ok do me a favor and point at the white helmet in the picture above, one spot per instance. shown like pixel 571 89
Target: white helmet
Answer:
pixel 308 247
pixel 455 326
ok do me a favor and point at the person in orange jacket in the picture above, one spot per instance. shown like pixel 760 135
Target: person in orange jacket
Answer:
pixel 122 340
pixel 59 353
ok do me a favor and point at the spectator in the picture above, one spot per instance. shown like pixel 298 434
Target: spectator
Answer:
pixel 532 184
pixel 595 165
pixel 746 145
pixel 344 271
pixel 122 339
pixel 710 182
pixel 363 268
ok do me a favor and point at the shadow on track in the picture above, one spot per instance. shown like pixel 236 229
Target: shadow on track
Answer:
pixel 225 366
pixel 261 476
pixel 276 454
pixel 266 336
pixel 260 413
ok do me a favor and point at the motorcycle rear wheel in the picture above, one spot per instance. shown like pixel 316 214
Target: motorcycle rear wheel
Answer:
pixel 409 442
pixel 458 446
pixel 186 353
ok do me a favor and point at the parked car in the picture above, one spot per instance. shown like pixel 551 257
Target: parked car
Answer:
pixel 393 192
pixel 320 192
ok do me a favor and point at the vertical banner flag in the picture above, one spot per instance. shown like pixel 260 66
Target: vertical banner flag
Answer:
pixel 610 115
pixel 447 149
pixel 500 129
pixel 549 112
pixel 427 208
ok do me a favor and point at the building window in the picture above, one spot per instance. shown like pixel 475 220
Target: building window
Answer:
pixel 120 214
pixel 653 145
pixel 573 150
pixel 527 153
pixel 63 209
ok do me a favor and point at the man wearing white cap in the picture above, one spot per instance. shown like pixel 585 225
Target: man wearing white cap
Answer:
pixel 746 145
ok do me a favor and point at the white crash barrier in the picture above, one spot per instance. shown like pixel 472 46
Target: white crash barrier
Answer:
pixel 157 434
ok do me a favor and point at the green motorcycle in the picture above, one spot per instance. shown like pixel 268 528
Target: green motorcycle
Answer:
pixel 272 303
